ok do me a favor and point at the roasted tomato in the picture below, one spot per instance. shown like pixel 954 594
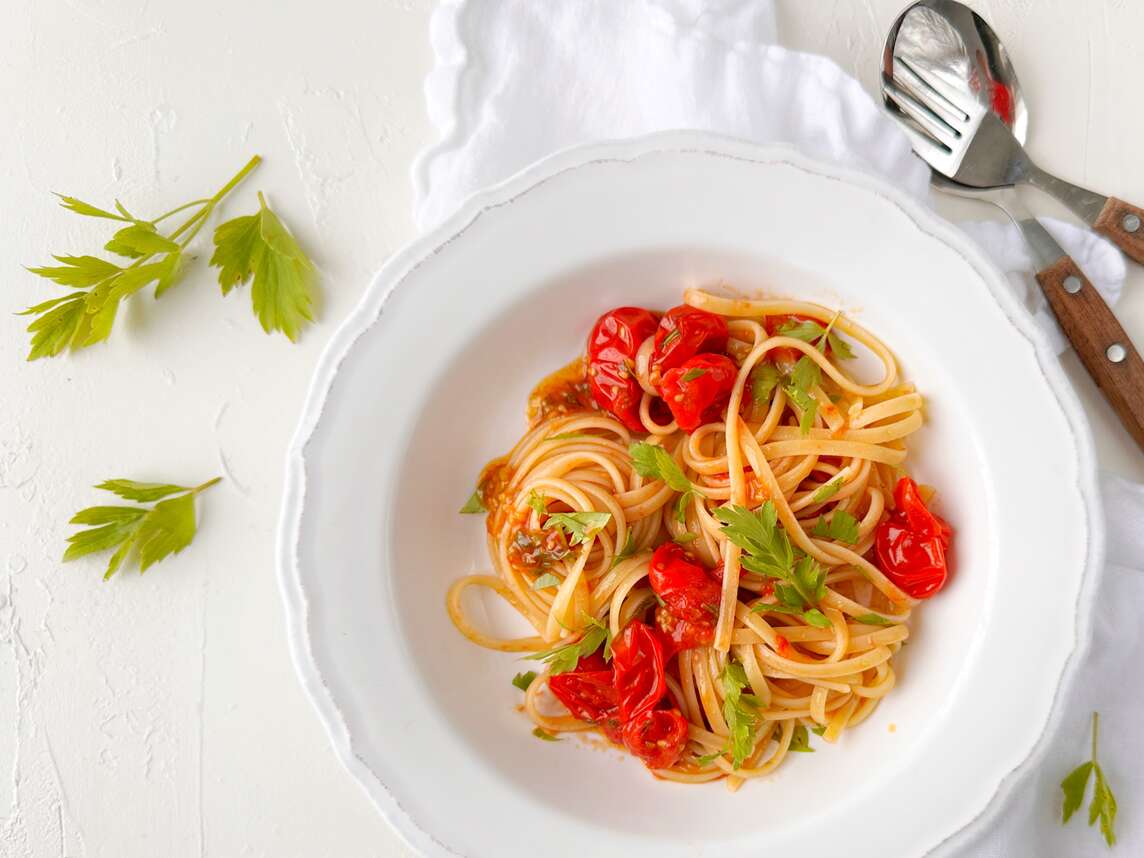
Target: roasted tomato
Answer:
pixel 612 347
pixel 683 333
pixel 676 635
pixel 588 691
pixel 638 662
pixel 912 543
pixel 657 736
pixel 686 588
pixel 698 390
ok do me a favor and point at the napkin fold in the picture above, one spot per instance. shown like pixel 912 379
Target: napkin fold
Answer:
pixel 515 81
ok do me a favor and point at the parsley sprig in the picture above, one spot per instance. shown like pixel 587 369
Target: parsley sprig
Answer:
pixel 740 711
pixel 767 551
pixel 654 462
pixel 1103 804
pixel 141 534
pixel 259 246
pixel 565 657
pixel 810 331
pixel 580 526
pixel 841 526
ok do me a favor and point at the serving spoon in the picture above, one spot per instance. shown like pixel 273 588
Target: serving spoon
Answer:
pixel 968 147
pixel 948 78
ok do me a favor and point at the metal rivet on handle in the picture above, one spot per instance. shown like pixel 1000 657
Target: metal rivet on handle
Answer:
pixel 1116 353
pixel 1072 284
pixel 1130 222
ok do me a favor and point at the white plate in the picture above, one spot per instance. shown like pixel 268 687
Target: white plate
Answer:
pixel 428 379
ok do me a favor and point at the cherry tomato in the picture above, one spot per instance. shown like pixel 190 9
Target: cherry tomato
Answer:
pixel 683 333
pixel 612 347
pixel 912 542
pixel 657 736
pixel 638 662
pixel 677 635
pixel 588 691
pixel 697 391
pixel 688 590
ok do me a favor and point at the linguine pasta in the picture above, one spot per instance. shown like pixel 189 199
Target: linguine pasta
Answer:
pixel 770 670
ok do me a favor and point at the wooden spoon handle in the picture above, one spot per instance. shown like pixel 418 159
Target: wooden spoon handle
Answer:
pixel 1104 348
pixel 1124 224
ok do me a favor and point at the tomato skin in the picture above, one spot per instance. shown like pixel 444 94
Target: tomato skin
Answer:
pixel 911 544
pixel 657 736
pixel 612 347
pixel 697 391
pixel 688 590
pixel 699 331
pixel 588 691
pixel 638 662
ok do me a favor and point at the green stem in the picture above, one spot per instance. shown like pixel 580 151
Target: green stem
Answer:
pixel 195 223
pixel 197 489
pixel 1095 733
pixel 191 204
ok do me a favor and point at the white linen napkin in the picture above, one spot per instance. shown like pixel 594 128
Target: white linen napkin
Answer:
pixel 515 81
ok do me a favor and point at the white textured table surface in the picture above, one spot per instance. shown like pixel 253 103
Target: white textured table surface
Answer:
pixel 160 716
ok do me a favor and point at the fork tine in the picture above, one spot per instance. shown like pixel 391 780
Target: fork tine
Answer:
pixel 941 93
pixel 906 79
pixel 922 119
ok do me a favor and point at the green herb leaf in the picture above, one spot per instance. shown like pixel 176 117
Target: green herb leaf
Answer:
pixel 651 460
pixel 568 436
pixel 806 374
pixel 816 618
pixel 693 374
pixel 87 209
pixel 842 526
pixel 580 526
pixel 565 657
pixel 541 733
pixel 149 535
pixel 474 504
pixel 140 239
pixel 547 580
pixel 807 405
pixel 768 550
pixel 685 538
pixel 812 332
pixel 740 711
pixel 873 620
pixel 261 247
pixel 1074 787
pixel 707 759
pixel 829 490
pixel 1103 805
pixel 818 729
pixel 524 680
pixel 627 551
pixel 671 337
pixel 800 741
pixel 140 492
pixel 79 272
pixel 537 502
pixel 764 379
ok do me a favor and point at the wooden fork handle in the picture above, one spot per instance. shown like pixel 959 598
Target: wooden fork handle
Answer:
pixel 1124 224
pixel 1104 348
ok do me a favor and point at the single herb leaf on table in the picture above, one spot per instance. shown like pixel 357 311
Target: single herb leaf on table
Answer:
pixel 145 535
pixel 259 246
pixel 1103 806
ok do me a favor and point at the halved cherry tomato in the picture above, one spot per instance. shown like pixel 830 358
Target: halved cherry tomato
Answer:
pixel 657 737
pixel 638 662
pixel 698 390
pixel 588 690
pixel 612 347
pixel 912 542
pixel 688 590
pixel 683 333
